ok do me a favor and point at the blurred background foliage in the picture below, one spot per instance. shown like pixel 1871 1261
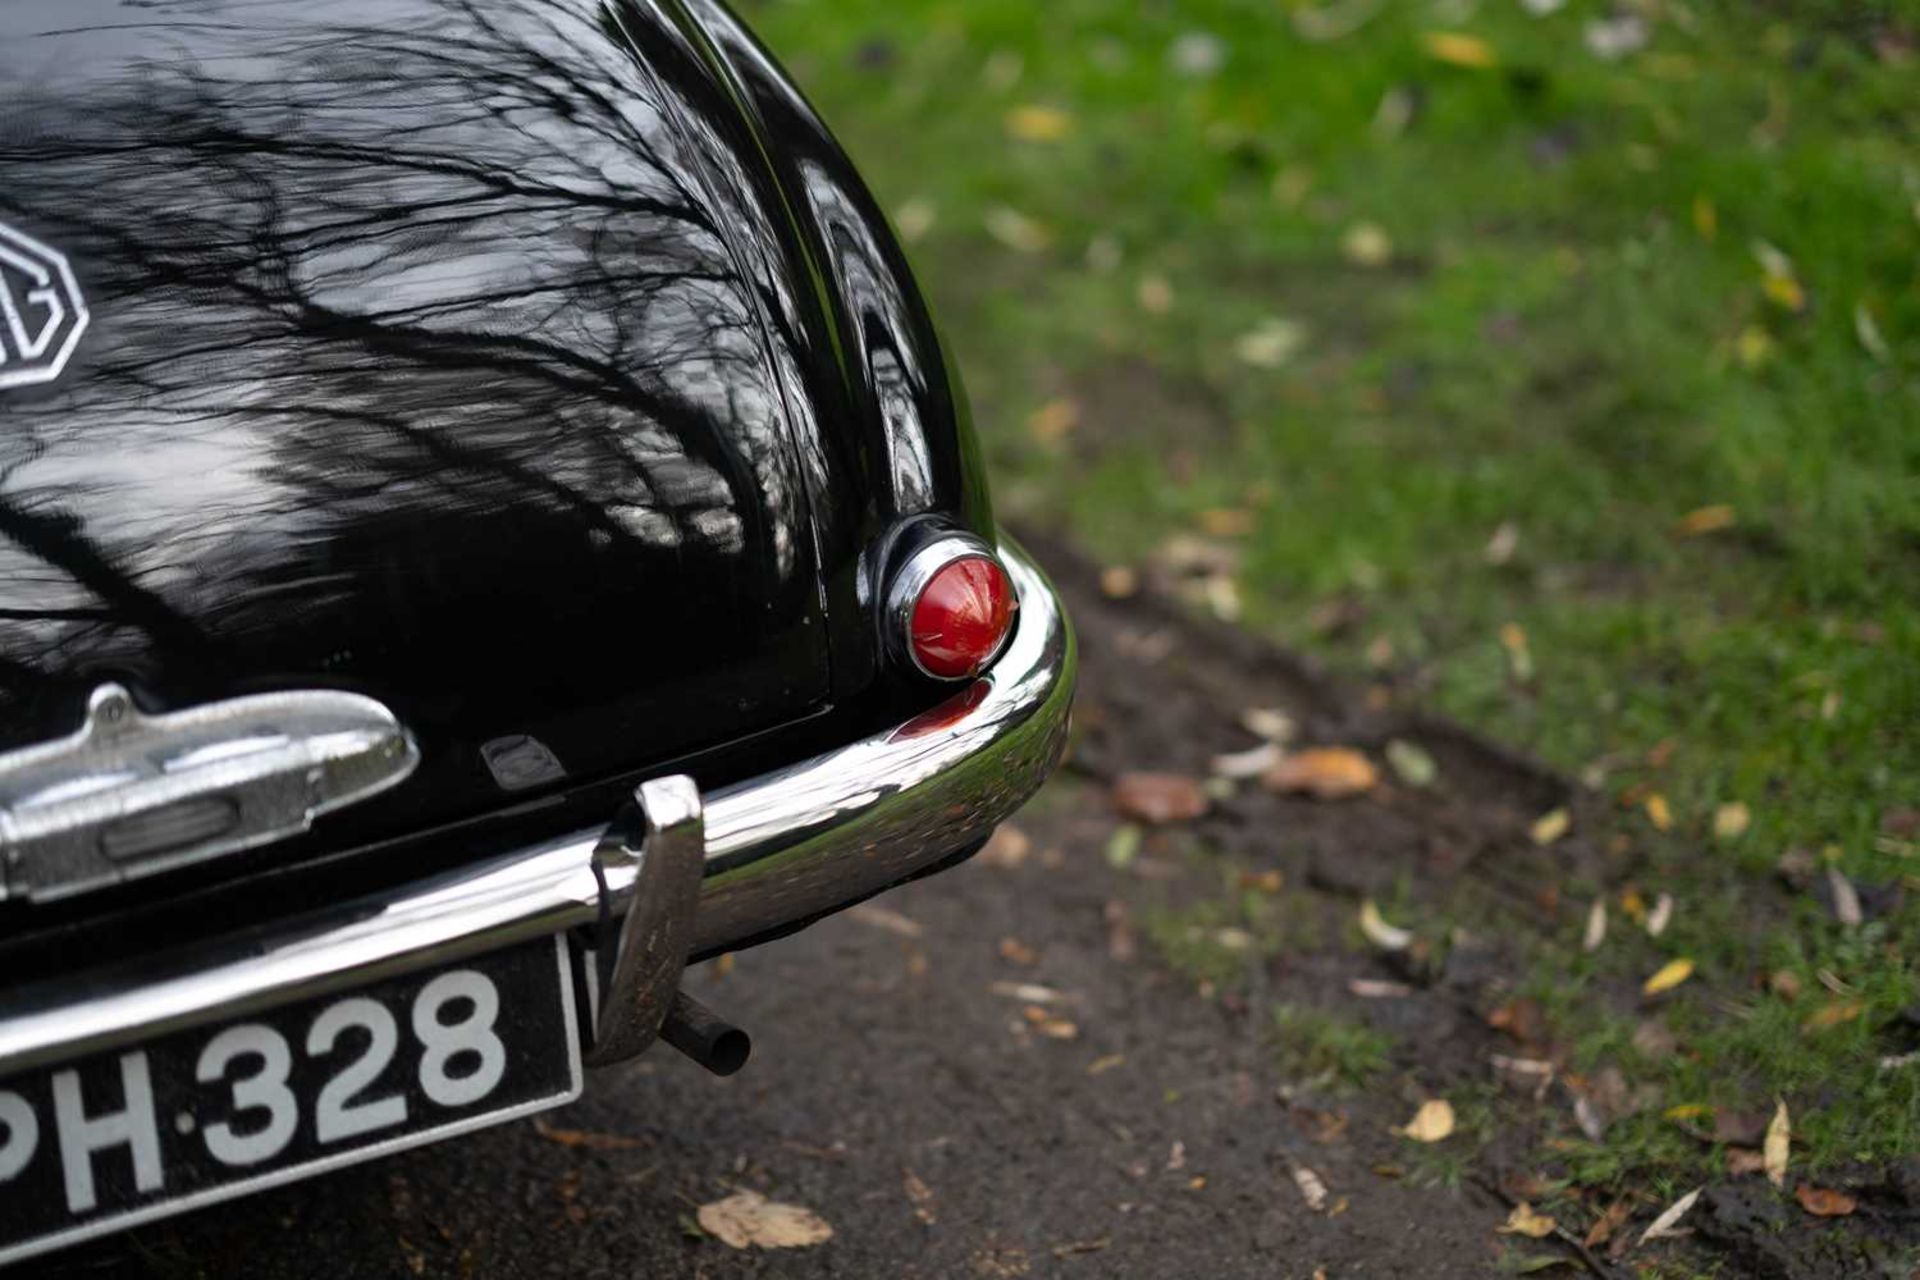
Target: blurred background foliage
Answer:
pixel 1551 363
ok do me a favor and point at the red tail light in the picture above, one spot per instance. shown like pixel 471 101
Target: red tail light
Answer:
pixel 956 605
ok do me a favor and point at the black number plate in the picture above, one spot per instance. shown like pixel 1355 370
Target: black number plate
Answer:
pixel 202 1115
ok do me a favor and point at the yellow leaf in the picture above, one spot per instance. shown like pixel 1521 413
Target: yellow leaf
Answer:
pixel 1226 522
pixel 1381 934
pixel 1054 421
pixel 1365 244
pixel 1669 976
pixel 1832 1015
pixel 1154 295
pixel 1431 1123
pixel 1326 773
pixel 1778 1142
pixel 1730 820
pixel 1686 1111
pixel 1550 826
pixel 1784 292
pixel 1016 230
pixel 1658 813
pixel 1706 219
pixel 1710 519
pixel 1523 1221
pixel 1513 638
pixel 1033 123
pixel 1460 50
pixel 1754 347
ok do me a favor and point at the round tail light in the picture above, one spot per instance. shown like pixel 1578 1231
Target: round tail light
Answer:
pixel 955 604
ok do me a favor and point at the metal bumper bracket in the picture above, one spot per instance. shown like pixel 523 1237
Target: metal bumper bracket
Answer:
pixel 640 969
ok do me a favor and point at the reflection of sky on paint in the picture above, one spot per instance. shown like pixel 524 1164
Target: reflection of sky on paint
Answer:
pixel 184 472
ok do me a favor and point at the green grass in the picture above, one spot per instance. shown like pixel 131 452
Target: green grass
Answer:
pixel 1313 1044
pixel 1574 336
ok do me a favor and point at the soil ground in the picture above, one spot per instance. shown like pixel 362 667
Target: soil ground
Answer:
pixel 1139 1115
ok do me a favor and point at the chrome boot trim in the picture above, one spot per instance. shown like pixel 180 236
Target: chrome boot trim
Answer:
pixel 129 794
pixel 651 952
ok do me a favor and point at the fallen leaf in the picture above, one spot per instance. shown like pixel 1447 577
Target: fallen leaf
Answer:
pixel 919 1195
pixel 1433 1122
pixel 1054 421
pixel 914 219
pixel 1779 1142
pixel 1333 21
pixel 1743 1162
pixel 1513 638
pixel 1731 820
pixel 1365 244
pixel 1378 989
pixel 1659 813
pixel 1158 798
pixel 1381 934
pixel 1668 976
pixel 1607 1223
pixel 1016 230
pixel 1119 582
pixel 1660 916
pixel 1664 1224
pixel 1154 295
pixel 1121 943
pixel 1501 546
pixel 1411 761
pixel 1007 848
pixel 1226 522
pixel 1550 826
pixel 584 1139
pixel 1326 773
pixel 1271 343
pixel 1824 1202
pixel 1197 53
pixel 1706 218
pixel 1312 1189
pixel 1074 1247
pixel 1784 983
pixel 1867 330
pixel 1523 1221
pixel 1846 899
pixel 1833 1014
pixel 1049 1025
pixel 1611 39
pixel 748 1219
pixel 1014 951
pixel 880 917
pixel 1709 519
pixel 1106 1063
pixel 1460 50
pixel 1033 123
pixel 1029 993
pixel 1250 763
pixel 1270 723
pixel 1596 931
pixel 1754 347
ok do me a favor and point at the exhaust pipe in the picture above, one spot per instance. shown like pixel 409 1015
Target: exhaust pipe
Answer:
pixel 705 1036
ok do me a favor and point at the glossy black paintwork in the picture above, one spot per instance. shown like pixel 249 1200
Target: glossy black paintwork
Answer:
pixel 539 367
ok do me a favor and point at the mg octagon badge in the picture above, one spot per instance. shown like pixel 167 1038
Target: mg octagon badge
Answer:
pixel 42 314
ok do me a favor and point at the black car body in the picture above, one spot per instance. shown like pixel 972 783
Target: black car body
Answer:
pixel 455 415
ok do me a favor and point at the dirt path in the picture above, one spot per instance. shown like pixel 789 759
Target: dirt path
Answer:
pixel 947 1122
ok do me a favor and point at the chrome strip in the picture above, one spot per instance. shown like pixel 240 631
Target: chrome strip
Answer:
pixel 94 807
pixel 781 848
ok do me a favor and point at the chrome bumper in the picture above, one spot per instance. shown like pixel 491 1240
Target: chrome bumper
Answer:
pixel 780 849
